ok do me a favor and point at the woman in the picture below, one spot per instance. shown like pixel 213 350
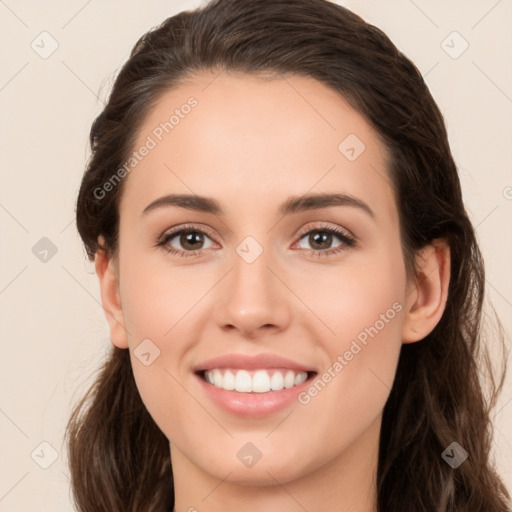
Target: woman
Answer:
pixel 292 283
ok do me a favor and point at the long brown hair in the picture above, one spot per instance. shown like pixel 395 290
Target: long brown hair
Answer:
pixel 119 458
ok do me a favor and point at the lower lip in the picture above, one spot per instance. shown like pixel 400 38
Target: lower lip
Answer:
pixel 253 404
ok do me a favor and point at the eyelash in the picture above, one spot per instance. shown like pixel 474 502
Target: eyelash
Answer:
pixel 348 241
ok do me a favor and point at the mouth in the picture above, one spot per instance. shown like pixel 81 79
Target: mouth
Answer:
pixel 261 380
pixel 253 386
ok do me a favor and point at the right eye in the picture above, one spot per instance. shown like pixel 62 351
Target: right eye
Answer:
pixel 189 237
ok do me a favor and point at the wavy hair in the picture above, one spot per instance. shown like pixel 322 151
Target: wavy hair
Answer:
pixel 118 457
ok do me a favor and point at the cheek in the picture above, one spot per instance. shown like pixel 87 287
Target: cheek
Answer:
pixel 159 301
pixel 356 295
pixel 364 308
pixel 161 310
pixel 172 408
pixel 349 395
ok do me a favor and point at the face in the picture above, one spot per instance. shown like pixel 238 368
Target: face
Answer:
pixel 290 269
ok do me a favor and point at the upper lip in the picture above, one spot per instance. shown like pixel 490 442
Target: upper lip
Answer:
pixel 247 362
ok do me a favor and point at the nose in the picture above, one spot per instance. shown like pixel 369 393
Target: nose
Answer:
pixel 253 299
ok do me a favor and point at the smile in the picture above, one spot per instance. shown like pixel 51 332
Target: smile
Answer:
pixel 254 381
pixel 253 385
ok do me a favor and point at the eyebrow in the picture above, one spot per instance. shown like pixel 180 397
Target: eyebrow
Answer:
pixel 293 204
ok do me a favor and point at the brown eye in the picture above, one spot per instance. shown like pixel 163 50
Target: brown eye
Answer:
pixel 191 240
pixel 187 241
pixel 321 239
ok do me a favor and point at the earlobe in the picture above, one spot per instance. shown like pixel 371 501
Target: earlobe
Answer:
pixel 426 303
pixel 110 297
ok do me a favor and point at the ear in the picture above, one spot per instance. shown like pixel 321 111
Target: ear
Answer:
pixel 427 296
pixel 108 275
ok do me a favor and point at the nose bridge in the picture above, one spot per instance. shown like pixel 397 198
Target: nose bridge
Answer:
pixel 251 262
pixel 252 296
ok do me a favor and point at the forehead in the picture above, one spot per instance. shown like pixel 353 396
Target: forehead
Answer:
pixel 241 137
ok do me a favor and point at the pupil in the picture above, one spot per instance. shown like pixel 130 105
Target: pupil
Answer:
pixel 191 238
pixel 318 238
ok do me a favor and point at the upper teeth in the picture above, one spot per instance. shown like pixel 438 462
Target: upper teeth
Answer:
pixel 259 382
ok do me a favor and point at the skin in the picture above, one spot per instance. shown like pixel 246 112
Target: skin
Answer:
pixel 250 144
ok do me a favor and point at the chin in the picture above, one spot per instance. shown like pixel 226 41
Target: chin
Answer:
pixel 263 472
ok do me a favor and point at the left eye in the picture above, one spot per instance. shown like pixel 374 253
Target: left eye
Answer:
pixel 324 237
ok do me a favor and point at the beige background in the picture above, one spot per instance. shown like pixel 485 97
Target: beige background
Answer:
pixel 53 330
